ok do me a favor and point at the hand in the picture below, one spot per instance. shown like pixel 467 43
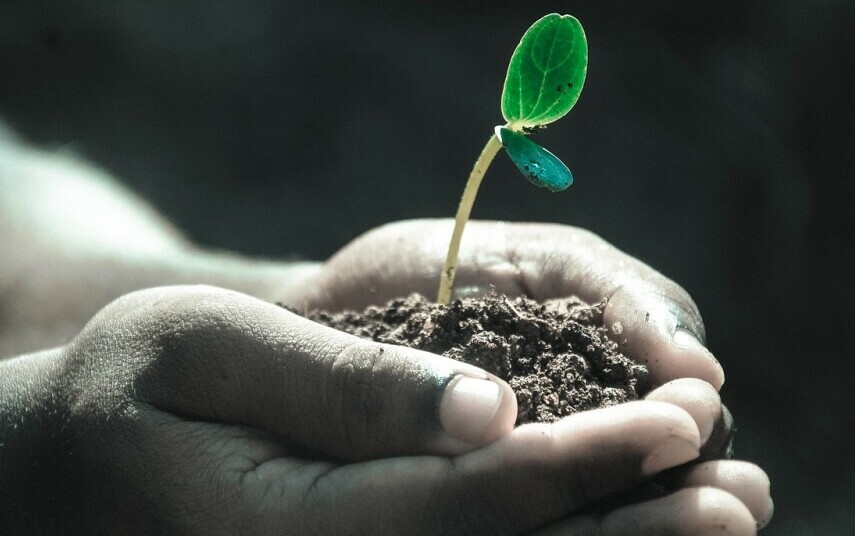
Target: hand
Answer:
pixel 653 320
pixel 196 410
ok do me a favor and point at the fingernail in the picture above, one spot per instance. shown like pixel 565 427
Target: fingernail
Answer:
pixel 685 339
pixel 672 452
pixel 468 407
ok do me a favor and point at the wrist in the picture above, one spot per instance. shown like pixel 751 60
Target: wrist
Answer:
pixel 33 413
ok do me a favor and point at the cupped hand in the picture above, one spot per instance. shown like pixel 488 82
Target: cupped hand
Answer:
pixel 652 318
pixel 201 411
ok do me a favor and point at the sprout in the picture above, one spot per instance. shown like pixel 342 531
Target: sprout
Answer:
pixel 544 80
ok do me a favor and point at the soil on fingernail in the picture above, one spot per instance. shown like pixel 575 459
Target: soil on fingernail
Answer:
pixel 557 357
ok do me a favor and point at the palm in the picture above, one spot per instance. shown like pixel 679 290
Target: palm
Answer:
pixel 539 475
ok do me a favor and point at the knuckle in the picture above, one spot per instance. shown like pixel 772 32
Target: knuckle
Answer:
pixel 143 338
pixel 354 377
pixel 192 322
pixel 146 314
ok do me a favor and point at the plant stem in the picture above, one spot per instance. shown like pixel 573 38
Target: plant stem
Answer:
pixel 446 281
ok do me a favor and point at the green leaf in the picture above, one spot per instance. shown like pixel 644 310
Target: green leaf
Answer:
pixel 546 73
pixel 538 165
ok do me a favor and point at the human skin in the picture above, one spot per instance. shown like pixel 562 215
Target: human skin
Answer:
pixel 195 409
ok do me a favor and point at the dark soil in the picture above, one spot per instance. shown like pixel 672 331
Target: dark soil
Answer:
pixel 556 357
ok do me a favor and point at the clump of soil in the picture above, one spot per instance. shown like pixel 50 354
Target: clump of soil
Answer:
pixel 557 358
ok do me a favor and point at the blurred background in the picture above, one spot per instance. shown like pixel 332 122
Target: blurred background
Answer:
pixel 713 140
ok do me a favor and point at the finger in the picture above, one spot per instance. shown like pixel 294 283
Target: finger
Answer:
pixel 689 512
pixel 743 480
pixel 703 403
pixel 208 460
pixel 227 357
pixel 652 318
pixel 538 474
pixel 720 443
pixel 640 336
pixel 651 328
pixel 698 398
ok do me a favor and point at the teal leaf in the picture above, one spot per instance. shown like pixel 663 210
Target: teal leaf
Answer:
pixel 546 72
pixel 538 165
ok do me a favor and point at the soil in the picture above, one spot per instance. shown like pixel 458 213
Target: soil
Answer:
pixel 556 357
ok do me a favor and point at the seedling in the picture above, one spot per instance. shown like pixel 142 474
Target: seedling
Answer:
pixel 544 80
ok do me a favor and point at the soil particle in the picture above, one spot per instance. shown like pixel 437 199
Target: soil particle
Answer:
pixel 556 356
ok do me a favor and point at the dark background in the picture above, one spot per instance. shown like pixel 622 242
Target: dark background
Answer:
pixel 713 140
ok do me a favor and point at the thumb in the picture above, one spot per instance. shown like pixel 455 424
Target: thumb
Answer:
pixel 239 360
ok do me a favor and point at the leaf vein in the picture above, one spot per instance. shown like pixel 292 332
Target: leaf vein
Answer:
pixel 555 35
